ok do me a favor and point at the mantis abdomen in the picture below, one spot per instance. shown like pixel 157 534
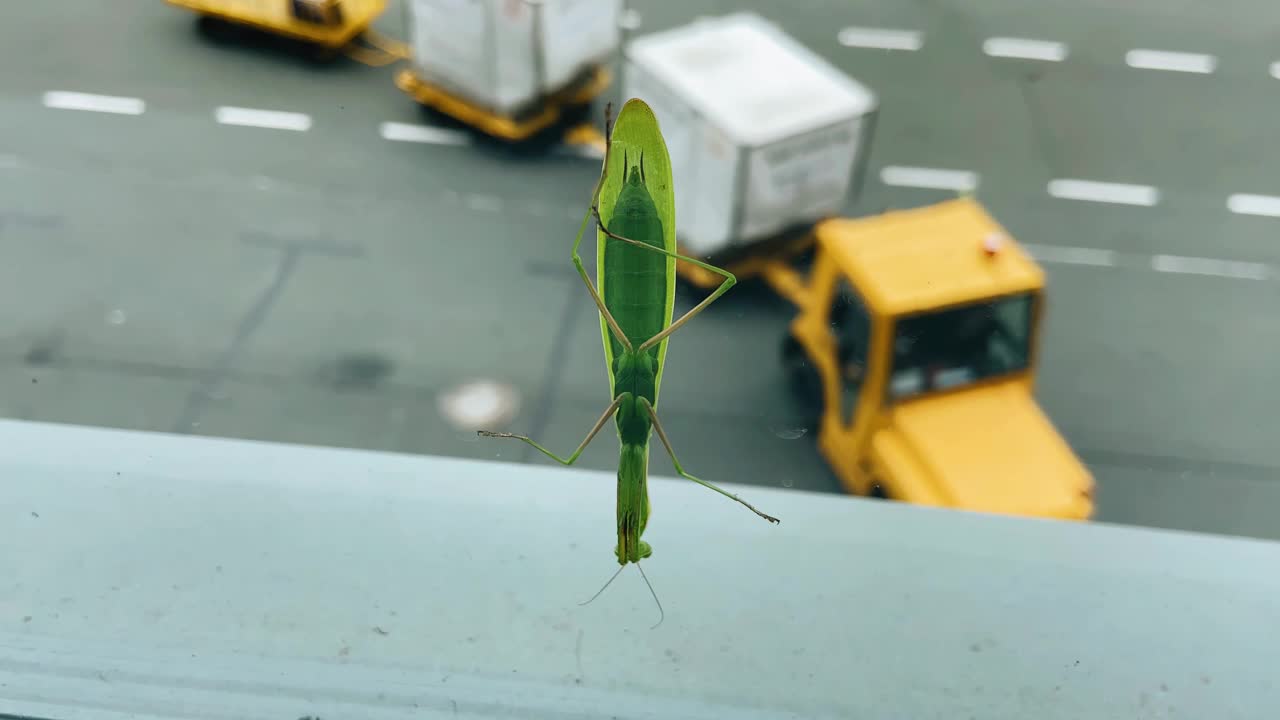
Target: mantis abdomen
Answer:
pixel 635 279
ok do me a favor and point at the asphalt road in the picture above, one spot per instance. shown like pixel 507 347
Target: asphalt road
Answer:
pixel 170 273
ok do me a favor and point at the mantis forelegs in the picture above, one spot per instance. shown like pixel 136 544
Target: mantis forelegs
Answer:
pixel 729 281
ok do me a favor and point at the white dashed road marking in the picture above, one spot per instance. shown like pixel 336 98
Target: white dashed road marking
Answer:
pixel 1174 61
pixel 62 100
pixel 1266 205
pixel 1209 266
pixel 1072 255
pixel 930 178
pixel 402 132
pixel 1025 49
pixel 1172 264
pixel 270 119
pixel 892 175
pixel 881 39
pixel 1105 192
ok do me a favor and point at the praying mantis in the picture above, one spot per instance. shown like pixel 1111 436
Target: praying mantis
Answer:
pixel 633 206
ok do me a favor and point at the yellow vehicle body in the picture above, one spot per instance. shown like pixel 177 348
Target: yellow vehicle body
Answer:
pixel 330 24
pixel 514 128
pixel 916 338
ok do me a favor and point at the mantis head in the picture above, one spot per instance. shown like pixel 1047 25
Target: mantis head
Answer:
pixel 635 174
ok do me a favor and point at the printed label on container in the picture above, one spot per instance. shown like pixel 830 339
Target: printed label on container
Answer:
pixel 798 180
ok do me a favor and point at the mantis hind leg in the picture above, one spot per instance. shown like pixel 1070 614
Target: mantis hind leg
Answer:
pixel 608 412
pixel 662 435
pixel 729 281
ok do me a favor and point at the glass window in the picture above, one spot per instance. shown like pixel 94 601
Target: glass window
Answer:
pixel 959 346
pixel 851 325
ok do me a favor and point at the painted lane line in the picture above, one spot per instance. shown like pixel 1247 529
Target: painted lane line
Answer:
pixel 1275 70
pixel 1265 205
pixel 1092 191
pixel 403 132
pixel 1174 61
pixel 930 178
pixel 1072 255
pixel 269 119
pixel 1209 266
pixel 62 100
pixel 1005 47
pixel 878 39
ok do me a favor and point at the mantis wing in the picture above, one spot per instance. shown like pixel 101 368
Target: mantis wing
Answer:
pixel 636 131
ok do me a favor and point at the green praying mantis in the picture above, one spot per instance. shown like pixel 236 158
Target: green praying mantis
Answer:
pixel 633 205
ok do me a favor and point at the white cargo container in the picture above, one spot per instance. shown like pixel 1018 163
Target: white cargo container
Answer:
pixel 504 54
pixel 764 134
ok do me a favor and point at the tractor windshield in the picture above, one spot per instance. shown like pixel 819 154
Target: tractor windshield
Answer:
pixel 959 346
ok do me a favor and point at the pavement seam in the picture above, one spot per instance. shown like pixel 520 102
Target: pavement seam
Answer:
pixel 207 389
pixel 555 367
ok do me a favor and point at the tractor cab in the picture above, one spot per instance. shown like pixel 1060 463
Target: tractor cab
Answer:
pixel 317 12
pixel 916 345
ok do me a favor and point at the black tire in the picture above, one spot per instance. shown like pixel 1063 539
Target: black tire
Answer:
pixel 217 30
pixel 322 56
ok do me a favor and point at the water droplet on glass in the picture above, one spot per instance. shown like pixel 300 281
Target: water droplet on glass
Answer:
pixel 788 431
pixel 116 317
pixel 788 482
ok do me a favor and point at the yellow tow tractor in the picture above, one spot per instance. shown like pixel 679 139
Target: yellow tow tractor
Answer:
pixel 510 68
pixel 327 26
pixel 915 349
